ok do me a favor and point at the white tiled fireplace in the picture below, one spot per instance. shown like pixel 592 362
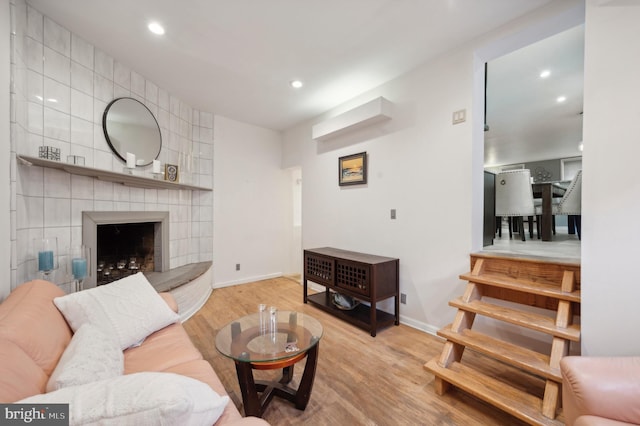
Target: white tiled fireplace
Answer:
pixel 47 58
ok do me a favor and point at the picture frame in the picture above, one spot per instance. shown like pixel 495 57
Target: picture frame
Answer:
pixel 171 172
pixel 352 169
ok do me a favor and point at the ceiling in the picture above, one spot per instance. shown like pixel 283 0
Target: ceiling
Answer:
pixel 526 123
pixel 236 57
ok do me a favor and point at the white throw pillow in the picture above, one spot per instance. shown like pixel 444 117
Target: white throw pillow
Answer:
pixel 91 355
pixel 139 399
pixel 129 309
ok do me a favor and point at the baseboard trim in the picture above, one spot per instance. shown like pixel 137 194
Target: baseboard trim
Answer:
pixel 418 325
pixel 247 280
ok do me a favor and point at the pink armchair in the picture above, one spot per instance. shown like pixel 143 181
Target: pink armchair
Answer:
pixel 601 391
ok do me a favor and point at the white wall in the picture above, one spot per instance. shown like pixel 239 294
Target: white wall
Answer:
pixel 611 188
pixel 420 164
pixel 5 149
pixel 251 204
pixel 295 246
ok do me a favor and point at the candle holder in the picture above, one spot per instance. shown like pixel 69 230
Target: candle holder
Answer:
pixel 157 170
pixel 80 258
pixel 273 324
pixel 46 255
pixel 264 319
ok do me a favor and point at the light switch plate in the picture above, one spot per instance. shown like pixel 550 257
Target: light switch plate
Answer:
pixel 459 116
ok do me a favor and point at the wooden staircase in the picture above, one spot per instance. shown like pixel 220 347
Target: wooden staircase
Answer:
pixel 553 286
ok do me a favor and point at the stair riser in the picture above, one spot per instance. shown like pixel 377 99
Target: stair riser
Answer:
pixel 528 269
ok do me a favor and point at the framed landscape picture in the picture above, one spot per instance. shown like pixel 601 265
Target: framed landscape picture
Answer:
pixel 352 169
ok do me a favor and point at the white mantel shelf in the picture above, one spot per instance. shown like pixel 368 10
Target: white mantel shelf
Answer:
pixel 107 175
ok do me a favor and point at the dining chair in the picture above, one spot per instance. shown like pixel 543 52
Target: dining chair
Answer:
pixel 570 204
pixel 514 199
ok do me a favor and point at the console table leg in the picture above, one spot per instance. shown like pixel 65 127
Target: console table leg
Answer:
pixel 306 383
pixel 397 296
pixel 373 318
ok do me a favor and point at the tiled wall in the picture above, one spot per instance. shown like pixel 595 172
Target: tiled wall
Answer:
pixel 61 86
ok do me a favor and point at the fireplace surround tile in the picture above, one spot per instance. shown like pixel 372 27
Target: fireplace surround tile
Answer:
pixel 57 37
pixel 81 187
pixel 81 51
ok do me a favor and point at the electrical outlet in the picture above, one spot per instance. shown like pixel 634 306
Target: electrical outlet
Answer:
pixel 403 298
pixel 393 213
pixel 237 266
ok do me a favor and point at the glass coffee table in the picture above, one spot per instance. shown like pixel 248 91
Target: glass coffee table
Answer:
pixel 252 348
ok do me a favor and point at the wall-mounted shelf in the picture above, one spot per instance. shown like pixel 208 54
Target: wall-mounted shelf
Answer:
pixel 373 111
pixel 107 175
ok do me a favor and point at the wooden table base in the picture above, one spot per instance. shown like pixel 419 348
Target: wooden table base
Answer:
pixel 255 404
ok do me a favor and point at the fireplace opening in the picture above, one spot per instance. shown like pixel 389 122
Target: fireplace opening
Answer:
pixel 123 243
pixel 124 249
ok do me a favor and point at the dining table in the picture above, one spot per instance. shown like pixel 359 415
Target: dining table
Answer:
pixel 546 191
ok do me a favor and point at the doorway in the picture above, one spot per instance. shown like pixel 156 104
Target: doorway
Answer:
pixel 296 222
pixel 571 23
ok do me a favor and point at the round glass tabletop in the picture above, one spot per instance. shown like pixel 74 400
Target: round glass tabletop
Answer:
pixel 245 340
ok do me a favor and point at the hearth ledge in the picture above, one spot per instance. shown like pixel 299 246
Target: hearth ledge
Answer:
pixel 190 285
pixel 169 280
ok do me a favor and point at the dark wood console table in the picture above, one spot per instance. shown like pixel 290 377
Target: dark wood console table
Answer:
pixel 365 277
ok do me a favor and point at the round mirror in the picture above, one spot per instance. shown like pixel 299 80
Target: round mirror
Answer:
pixel 130 127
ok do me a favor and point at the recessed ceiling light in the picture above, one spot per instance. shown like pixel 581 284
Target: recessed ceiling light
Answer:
pixel 545 74
pixel 581 146
pixel 296 84
pixel 561 99
pixel 156 28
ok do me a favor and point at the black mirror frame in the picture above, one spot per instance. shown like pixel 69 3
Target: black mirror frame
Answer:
pixel 106 134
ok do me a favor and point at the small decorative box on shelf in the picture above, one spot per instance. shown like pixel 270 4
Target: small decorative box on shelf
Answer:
pixel 49 153
pixel 363 277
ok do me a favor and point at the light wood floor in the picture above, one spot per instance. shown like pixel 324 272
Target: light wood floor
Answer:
pixel 360 380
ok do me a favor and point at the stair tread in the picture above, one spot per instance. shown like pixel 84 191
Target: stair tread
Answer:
pixel 517 356
pixel 544 288
pixel 519 404
pixel 528 320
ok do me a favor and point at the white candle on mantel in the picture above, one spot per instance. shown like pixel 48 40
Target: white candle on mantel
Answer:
pixel 131 160
pixel 156 166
